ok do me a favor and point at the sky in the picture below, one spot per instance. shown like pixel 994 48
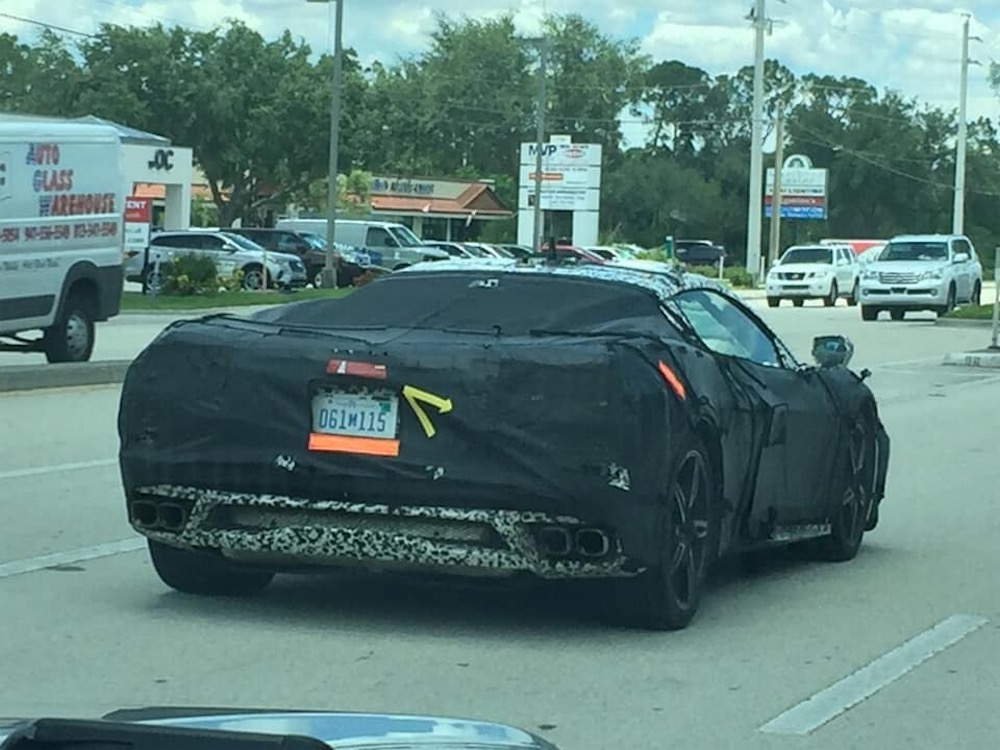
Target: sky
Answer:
pixel 913 46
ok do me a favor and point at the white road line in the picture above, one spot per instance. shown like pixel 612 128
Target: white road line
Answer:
pixel 33 564
pixel 37 470
pixel 827 704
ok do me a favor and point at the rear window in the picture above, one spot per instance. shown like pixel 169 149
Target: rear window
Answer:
pixel 478 302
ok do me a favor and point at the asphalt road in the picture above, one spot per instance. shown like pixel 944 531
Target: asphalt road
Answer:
pixel 85 635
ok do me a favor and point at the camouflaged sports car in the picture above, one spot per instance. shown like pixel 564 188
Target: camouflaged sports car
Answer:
pixel 630 424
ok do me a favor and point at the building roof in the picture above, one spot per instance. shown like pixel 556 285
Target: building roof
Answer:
pixel 436 197
pixel 126 133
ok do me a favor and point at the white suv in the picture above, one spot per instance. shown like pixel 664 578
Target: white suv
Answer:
pixel 824 272
pixel 921 272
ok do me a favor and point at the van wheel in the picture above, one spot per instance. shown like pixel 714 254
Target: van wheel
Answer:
pixel 71 337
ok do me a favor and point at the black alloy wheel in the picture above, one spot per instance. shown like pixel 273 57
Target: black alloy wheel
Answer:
pixel 666 597
pixel 853 512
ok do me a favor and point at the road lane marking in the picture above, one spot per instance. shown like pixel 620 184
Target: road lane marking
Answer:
pixel 33 564
pixel 37 470
pixel 841 696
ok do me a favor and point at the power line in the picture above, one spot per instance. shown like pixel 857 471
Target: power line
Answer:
pixel 43 24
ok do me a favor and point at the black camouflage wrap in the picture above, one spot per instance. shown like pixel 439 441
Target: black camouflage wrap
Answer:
pixel 559 415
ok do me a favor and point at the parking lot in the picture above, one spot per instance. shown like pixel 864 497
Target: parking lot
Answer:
pixel 84 614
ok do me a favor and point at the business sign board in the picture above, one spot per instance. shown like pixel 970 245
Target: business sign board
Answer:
pixel 571 176
pixel 138 215
pixel 803 190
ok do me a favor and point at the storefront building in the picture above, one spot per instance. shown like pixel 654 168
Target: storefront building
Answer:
pixel 437 209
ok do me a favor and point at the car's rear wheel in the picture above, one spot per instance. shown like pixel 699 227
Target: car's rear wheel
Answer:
pixel 977 294
pixel 855 295
pixel 798 302
pixel 869 313
pixel 897 313
pixel 831 299
pixel 205 573
pixel 666 595
pixel 853 512
pixel 773 301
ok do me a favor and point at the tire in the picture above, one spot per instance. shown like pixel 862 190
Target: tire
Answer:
pixel 831 299
pixel 71 336
pixel 655 599
pixel 798 302
pixel 869 313
pixel 773 301
pixel 977 294
pixel 254 278
pixel 852 301
pixel 897 313
pixel 316 277
pixel 949 304
pixel 853 510
pixel 152 279
pixel 204 573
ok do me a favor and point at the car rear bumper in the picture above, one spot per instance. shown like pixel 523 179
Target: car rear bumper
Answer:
pixel 921 294
pixel 286 533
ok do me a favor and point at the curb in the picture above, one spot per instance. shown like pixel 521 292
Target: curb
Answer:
pixel 963 323
pixel 71 375
pixel 985 358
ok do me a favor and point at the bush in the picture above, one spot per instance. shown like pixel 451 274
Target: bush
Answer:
pixel 189 274
pixel 738 276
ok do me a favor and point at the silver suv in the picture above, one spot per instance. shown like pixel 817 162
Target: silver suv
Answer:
pixel 921 272
pixel 231 253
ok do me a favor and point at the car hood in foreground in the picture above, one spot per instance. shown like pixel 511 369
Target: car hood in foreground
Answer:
pixel 337 729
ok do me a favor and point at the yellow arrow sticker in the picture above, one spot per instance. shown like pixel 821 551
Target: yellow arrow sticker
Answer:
pixel 414 397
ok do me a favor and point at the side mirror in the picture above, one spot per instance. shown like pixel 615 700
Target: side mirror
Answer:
pixel 960 258
pixel 832 351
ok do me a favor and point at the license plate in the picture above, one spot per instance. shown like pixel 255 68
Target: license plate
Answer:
pixel 356 415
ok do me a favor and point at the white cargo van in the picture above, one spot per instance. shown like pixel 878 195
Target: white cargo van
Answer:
pixel 61 206
pixel 387 244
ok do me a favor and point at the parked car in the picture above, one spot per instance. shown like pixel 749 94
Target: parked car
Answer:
pixel 231 253
pixel 496 418
pixel 571 253
pixel 395 244
pixel 518 251
pixel 309 247
pixel 826 272
pixel 457 249
pixel 921 272
pixel 699 252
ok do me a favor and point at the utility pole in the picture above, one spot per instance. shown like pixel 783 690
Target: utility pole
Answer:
pixel 958 213
pixel 543 59
pixel 330 267
pixel 774 247
pixel 756 202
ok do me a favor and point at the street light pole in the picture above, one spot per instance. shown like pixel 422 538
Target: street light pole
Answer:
pixel 756 200
pixel 958 212
pixel 330 267
pixel 543 47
